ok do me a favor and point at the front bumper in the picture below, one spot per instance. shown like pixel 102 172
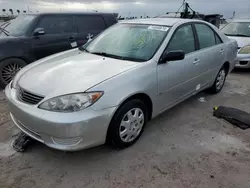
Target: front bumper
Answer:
pixel 62 131
pixel 243 61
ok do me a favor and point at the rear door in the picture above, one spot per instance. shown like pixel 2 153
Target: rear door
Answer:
pixel 211 53
pixel 87 27
pixel 58 35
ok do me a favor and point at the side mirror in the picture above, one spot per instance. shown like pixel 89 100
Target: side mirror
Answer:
pixel 172 56
pixel 38 31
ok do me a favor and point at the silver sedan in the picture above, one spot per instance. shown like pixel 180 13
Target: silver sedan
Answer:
pixel 107 90
pixel 239 30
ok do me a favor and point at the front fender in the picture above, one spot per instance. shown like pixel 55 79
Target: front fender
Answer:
pixel 141 79
pixel 16 48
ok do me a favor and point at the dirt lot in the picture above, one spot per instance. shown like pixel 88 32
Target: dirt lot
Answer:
pixel 185 147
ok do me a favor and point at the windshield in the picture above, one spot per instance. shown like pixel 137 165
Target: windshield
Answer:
pixel 19 26
pixel 129 42
pixel 237 29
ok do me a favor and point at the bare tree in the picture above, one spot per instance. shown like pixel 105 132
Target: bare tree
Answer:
pixel 24 11
pixel 11 11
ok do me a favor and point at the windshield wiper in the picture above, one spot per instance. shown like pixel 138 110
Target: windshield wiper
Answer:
pixel 107 55
pixel 2 28
pixel 4 31
pixel 2 25
pixel 5 24
pixel 237 35
pixel 82 48
pixel 118 57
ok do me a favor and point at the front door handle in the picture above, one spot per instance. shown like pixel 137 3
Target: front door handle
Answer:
pixel 196 61
pixel 222 51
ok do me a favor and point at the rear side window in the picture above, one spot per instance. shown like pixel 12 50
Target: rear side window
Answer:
pixel 89 23
pixel 217 39
pixel 110 19
pixel 56 24
pixel 206 36
pixel 183 39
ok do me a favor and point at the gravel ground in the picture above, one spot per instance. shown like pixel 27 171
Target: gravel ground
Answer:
pixel 184 147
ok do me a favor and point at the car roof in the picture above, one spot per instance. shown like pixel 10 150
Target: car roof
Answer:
pixel 159 21
pixel 71 13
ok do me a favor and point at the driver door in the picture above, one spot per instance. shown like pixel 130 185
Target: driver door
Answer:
pixel 177 79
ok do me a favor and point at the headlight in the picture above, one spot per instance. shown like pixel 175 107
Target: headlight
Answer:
pixel 245 50
pixel 71 102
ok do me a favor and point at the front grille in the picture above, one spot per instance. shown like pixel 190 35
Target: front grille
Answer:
pixel 28 97
pixel 243 62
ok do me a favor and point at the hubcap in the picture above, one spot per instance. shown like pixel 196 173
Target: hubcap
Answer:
pixel 131 125
pixel 9 71
pixel 220 79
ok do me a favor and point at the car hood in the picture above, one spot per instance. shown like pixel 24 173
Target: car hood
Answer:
pixel 75 71
pixel 242 41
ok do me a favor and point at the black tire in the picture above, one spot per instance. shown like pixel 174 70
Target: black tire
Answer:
pixel 215 89
pixel 5 65
pixel 113 136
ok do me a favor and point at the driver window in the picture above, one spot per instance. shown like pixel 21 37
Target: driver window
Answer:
pixel 183 39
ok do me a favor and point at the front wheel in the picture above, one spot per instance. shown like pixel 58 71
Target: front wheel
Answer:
pixel 127 124
pixel 219 81
pixel 8 69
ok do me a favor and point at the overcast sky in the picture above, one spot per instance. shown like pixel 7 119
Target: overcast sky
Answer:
pixel 132 7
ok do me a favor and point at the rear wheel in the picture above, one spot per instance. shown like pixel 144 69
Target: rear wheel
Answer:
pixel 127 124
pixel 8 69
pixel 219 81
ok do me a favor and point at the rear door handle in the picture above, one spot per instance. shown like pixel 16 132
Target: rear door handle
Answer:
pixel 222 51
pixel 196 61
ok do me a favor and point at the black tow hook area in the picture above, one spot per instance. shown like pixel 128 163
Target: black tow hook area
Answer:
pixel 22 141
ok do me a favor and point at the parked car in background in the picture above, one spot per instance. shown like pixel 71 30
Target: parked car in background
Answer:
pixel 110 88
pixel 31 37
pixel 240 31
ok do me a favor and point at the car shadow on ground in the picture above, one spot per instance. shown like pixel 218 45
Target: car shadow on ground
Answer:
pixel 104 151
pixel 241 71
pixel 155 125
